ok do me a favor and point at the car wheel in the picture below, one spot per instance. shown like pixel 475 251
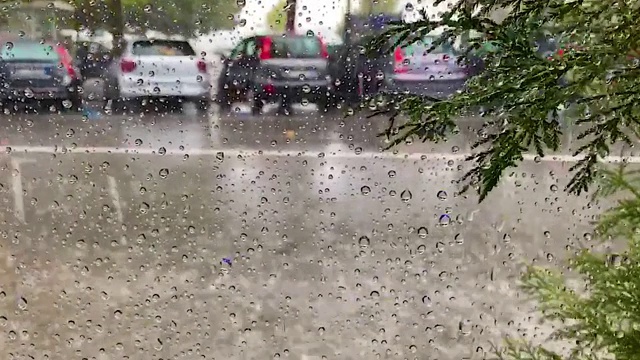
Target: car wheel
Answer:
pixel 76 102
pixel 223 100
pixel 326 104
pixel 256 102
pixel 7 106
pixel 202 106
pixel 124 106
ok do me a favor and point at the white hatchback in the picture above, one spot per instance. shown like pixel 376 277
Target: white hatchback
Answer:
pixel 158 69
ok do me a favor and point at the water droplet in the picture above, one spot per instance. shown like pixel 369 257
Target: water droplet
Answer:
pixel 162 151
pixel 144 208
pixel 506 238
pixel 444 220
pixel 464 327
pixel 22 303
pixel 423 232
pixel 406 195
pixel 392 173
pixel 164 172
pixel 138 142
pixel 459 239
pixel 421 249
pixel 365 190
pixel 364 242
pixel 220 156
pixel 442 195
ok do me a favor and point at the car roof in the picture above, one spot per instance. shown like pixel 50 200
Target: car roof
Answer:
pixel 287 35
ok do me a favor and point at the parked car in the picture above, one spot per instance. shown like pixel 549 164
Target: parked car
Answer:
pixel 36 72
pixel 287 68
pixel 157 70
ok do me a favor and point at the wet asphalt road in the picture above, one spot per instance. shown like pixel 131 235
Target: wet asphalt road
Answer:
pixel 178 236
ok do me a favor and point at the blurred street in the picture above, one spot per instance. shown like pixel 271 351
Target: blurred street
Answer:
pixel 163 236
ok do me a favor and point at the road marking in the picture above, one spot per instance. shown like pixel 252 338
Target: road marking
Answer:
pixel 115 197
pixel 18 191
pixel 334 153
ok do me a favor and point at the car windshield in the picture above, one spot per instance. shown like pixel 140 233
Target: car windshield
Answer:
pixel 162 48
pixel 32 51
pixel 296 47
pixel 415 46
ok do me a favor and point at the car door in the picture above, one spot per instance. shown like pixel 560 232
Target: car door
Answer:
pixel 235 74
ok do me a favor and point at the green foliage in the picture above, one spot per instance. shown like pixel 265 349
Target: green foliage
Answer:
pixel 277 17
pixel 601 318
pixel 184 17
pixel 526 98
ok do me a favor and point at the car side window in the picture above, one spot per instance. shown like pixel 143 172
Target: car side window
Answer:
pixel 238 51
pixel 252 47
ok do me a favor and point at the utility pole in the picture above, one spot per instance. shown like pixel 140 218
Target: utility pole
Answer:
pixel 291 16
pixel 116 25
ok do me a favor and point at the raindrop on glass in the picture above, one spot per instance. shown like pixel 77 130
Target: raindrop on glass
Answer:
pixel 423 232
pixel 444 220
pixel 364 242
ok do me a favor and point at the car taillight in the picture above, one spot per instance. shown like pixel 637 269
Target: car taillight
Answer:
pixel 269 89
pixel 398 64
pixel 66 61
pixel 127 66
pixel 324 51
pixel 70 70
pixel 202 66
pixel 265 49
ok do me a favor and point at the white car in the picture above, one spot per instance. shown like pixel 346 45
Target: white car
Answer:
pixel 166 70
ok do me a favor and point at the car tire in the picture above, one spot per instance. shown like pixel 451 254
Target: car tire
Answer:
pixel 256 102
pixel 223 101
pixel 256 107
pixel 327 104
pixel 76 101
pixel 123 106
pixel 7 107
pixel 202 106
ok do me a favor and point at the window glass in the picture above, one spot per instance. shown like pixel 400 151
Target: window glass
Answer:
pixel 16 51
pixel 239 50
pixel 162 48
pixel 295 47
pixel 251 47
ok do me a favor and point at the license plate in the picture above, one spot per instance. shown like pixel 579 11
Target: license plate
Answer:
pixel 31 74
pixel 160 89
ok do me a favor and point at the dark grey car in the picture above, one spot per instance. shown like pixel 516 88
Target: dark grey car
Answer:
pixel 285 68
pixel 416 70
